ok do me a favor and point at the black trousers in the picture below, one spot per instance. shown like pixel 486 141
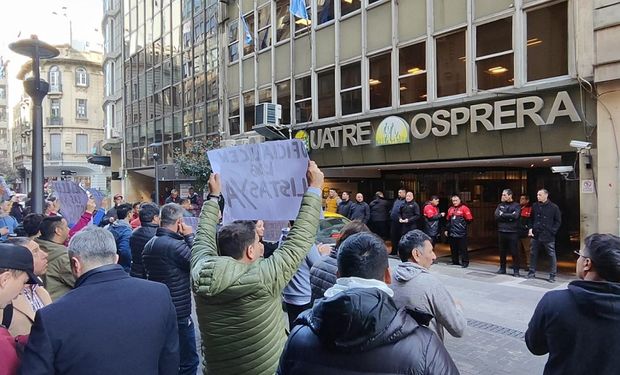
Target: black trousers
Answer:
pixel 458 249
pixel 380 228
pixel 395 236
pixel 509 242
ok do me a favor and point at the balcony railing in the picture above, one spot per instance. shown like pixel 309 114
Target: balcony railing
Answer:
pixel 56 89
pixel 54 121
pixel 54 156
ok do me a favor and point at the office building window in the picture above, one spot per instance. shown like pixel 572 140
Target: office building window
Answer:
pixel 109 78
pixel 283 90
pixel 55 79
pixel 451 64
pixel 3 92
pixel 248 111
pixel 325 10
pixel 326 94
pixel 233 41
pixel 80 109
pixel 264 95
pixel 547 42
pixel 351 88
pixel 81 143
pixel 349 6
pixel 303 99
pixel 3 116
pixel 380 81
pixel 264 27
pixel 412 73
pixel 494 54
pixel 248 34
pixel 81 77
pixel 283 20
pixel 303 25
pixel 54 108
pixel 233 115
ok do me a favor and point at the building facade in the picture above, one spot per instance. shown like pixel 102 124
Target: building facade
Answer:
pixel 72 120
pixel 5 140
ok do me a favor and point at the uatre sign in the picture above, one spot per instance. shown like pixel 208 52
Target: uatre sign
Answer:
pixel 498 115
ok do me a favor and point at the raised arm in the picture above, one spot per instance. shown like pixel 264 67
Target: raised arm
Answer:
pixel 204 243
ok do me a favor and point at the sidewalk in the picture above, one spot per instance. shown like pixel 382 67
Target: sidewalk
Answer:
pixel 498 309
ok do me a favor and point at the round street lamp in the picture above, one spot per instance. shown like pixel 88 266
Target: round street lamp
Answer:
pixel 36 88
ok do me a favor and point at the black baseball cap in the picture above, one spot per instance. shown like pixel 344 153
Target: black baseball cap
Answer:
pixel 15 257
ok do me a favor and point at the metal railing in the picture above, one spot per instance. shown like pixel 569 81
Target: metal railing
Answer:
pixel 54 121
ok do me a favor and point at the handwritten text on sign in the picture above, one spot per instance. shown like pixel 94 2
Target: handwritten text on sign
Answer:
pixel 72 199
pixel 262 181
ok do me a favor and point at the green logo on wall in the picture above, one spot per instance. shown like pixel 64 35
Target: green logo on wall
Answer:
pixel 392 130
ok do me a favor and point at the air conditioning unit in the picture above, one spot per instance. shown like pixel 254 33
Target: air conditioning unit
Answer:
pixel 227 143
pixel 242 141
pixel 268 114
pixel 254 139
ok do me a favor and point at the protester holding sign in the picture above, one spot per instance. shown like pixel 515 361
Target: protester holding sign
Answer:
pixel 238 291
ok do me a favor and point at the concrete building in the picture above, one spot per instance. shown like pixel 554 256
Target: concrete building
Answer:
pixel 4 116
pixel 438 96
pixel 72 119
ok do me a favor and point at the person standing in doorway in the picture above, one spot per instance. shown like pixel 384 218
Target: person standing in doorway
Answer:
pixel 395 230
pixel 459 216
pixel 409 214
pixel 344 207
pixel 360 209
pixel 379 215
pixel 546 220
pixel 332 201
pixel 525 223
pixel 507 216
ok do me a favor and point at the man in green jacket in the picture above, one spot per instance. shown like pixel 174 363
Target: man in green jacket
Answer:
pixel 238 292
pixel 58 279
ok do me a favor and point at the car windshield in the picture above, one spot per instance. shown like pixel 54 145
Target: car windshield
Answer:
pixel 329 229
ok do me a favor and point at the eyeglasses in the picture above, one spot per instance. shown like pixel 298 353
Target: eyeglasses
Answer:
pixel 579 254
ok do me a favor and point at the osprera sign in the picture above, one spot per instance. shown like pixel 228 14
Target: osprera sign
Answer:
pixel 498 115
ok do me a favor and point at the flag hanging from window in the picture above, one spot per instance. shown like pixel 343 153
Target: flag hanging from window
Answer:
pixel 246 32
pixel 298 9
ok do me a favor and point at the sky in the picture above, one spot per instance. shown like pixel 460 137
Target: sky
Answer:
pixel 21 18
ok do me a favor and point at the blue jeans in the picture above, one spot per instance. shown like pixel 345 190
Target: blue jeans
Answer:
pixel 549 248
pixel 188 354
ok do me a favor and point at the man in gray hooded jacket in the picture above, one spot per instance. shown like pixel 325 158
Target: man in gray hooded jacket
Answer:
pixel 414 287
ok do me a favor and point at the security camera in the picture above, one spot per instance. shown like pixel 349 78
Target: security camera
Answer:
pixel 563 169
pixel 580 145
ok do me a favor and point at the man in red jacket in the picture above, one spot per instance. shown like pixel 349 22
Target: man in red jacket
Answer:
pixel 459 216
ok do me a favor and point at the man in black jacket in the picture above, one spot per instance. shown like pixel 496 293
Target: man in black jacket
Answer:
pixel 110 323
pixel 379 215
pixel 546 220
pixel 395 230
pixel 344 207
pixel 166 259
pixel 360 209
pixel 357 328
pixel 409 214
pixel 149 222
pixel 507 216
pixel 579 326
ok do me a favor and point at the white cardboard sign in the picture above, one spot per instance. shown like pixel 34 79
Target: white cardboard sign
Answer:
pixel 264 181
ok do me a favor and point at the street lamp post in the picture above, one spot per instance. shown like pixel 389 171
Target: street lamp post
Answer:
pixel 156 158
pixel 36 88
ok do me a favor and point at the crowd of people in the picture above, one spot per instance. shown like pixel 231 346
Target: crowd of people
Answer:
pixel 113 292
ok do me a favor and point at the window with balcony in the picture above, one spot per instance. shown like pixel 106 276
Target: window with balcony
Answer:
pixel 494 54
pixel 451 64
pixel 248 111
pixel 54 79
pixel 109 78
pixel 264 27
pixel 283 20
pixel 81 144
pixel 233 41
pixel 380 81
pixel 351 88
pixel 303 99
pixel 80 109
pixel 283 90
pixel 547 42
pixel 233 116
pixel 55 115
pixel 412 73
pixel 327 93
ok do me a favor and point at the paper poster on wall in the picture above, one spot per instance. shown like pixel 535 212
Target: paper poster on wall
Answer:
pixel 264 181
pixel 587 186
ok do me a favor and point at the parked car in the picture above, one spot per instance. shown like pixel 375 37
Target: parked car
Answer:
pixel 329 228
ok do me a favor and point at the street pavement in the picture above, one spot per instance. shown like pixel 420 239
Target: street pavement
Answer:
pixel 498 309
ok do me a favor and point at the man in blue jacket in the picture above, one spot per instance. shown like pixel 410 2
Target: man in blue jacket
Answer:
pixel 580 326
pixel 111 323
pixel 121 230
